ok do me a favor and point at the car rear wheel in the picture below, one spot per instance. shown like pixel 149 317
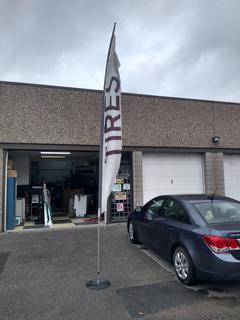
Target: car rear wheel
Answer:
pixel 132 233
pixel 183 266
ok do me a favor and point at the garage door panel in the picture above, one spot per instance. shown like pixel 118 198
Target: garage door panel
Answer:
pixel 185 181
pixel 232 176
pixel 180 184
pixel 166 162
pixel 165 171
pixel 171 174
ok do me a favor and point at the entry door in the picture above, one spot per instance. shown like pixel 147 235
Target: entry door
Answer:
pixel 172 174
pixel 232 176
pixel 146 219
pixel 172 217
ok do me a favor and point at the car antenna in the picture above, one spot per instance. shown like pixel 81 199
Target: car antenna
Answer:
pixel 213 195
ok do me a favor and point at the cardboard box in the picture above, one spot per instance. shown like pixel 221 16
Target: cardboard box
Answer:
pixel 12 173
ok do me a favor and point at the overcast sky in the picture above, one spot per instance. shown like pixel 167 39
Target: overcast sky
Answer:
pixel 183 48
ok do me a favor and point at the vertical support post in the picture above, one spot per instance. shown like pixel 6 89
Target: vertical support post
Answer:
pixel 214 173
pixel 137 178
pixel 3 172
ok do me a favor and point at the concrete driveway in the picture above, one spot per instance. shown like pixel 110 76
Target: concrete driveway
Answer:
pixel 43 276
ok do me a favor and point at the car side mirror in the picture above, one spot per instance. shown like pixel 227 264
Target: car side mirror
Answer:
pixel 149 216
pixel 139 209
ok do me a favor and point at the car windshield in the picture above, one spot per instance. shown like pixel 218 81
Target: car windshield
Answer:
pixel 217 211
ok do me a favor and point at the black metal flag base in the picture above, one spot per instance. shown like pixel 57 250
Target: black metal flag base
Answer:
pixel 98 284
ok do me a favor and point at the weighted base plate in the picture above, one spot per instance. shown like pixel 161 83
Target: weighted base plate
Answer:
pixel 98 284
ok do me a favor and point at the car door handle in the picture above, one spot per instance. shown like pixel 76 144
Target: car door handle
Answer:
pixel 171 228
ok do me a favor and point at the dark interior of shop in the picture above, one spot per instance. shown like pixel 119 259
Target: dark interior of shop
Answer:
pixel 62 187
pixel 66 176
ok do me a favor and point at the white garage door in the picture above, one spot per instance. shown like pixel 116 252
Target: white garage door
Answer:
pixel 232 176
pixel 171 174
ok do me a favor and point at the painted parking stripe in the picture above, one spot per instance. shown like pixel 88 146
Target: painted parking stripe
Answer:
pixel 163 263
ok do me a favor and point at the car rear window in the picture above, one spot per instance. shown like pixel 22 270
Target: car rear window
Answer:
pixel 217 211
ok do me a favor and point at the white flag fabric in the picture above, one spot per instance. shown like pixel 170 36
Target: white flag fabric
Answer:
pixel 112 125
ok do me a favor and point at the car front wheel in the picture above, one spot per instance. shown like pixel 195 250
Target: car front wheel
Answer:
pixel 183 266
pixel 132 233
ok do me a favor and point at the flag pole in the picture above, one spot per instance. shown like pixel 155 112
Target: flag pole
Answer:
pixel 98 283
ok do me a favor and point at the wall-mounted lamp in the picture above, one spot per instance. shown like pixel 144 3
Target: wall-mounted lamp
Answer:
pixel 215 139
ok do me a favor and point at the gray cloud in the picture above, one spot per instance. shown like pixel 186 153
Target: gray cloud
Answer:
pixel 186 48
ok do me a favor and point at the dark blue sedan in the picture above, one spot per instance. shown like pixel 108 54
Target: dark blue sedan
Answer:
pixel 198 234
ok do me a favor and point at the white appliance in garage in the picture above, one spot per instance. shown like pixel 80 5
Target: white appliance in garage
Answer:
pixel 232 176
pixel 80 205
pixel 172 174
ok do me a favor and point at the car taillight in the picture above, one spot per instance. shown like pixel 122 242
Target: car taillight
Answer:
pixel 220 244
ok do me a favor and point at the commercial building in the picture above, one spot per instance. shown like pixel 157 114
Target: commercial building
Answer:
pixel 170 145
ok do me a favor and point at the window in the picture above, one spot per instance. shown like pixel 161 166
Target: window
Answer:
pixel 153 207
pixel 172 209
pixel 218 211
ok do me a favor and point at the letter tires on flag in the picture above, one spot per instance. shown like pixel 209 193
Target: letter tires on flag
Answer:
pixel 111 135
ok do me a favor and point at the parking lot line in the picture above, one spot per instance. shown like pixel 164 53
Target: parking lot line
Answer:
pixel 163 263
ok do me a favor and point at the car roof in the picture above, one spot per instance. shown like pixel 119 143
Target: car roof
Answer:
pixel 204 196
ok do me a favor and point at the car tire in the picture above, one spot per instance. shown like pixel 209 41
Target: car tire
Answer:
pixel 132 233
pixel 183 266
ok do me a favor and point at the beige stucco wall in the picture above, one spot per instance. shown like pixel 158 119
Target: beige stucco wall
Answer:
pixel 31 114
pixel 52 115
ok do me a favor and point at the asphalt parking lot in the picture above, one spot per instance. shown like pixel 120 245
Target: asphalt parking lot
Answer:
pixel 43 276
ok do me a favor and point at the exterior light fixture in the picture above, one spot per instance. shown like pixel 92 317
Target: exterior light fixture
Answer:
pixel 55 152
pixel 215 139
